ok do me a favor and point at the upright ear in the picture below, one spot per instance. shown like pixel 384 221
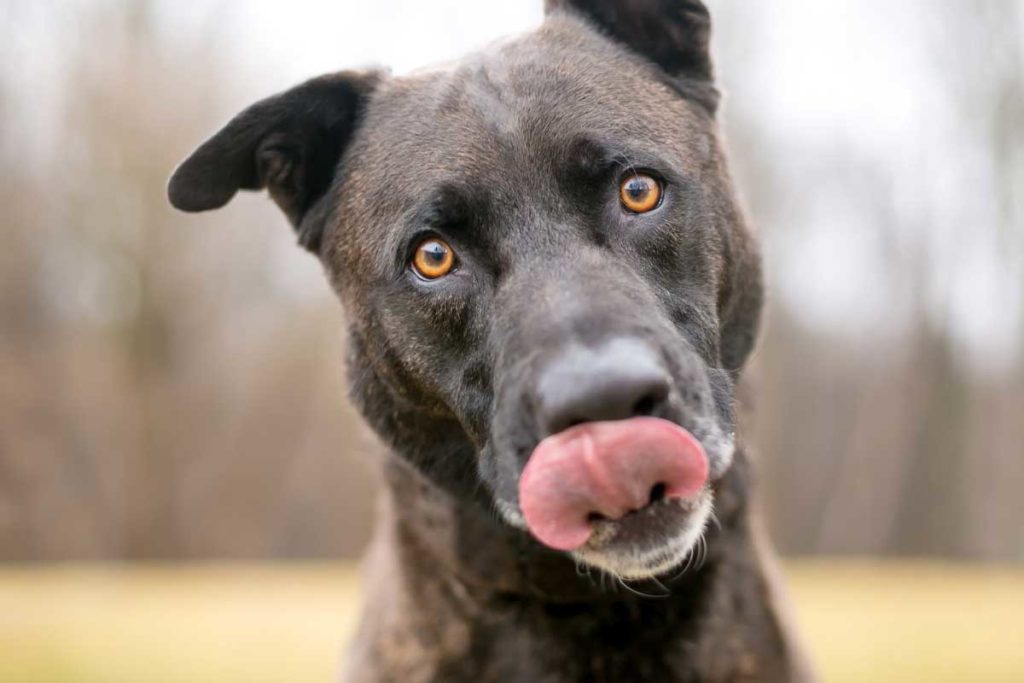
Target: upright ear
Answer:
pixel 674 34
pixel 290 143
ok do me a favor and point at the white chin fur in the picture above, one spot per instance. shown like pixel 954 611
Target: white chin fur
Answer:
pixel 639 564
pixel 651 563
pixel 719 446
pixel 511 514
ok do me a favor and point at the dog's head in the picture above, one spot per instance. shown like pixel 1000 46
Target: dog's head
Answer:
pixel 549 285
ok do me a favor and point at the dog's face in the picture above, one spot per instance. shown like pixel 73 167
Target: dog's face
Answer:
pixel 548 283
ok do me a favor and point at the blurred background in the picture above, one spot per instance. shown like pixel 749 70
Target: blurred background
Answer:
pixel 172 386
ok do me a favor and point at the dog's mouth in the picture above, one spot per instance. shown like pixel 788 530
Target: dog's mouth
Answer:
pixel 649 542
pixel 630 497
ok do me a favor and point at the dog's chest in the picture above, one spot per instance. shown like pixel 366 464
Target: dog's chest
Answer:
pixel 514 649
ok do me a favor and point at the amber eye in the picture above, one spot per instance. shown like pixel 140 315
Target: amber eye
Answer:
pixel 433 258
pixel 640 193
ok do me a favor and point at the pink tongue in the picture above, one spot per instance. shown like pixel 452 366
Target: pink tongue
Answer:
pixel 607 468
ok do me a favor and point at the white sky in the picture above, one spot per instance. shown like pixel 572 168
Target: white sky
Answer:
pixel 299 38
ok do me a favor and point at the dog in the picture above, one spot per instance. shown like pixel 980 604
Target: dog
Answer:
pixel 550 294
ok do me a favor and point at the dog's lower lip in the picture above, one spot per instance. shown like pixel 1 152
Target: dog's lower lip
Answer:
pixel 659 514
pixel 607 469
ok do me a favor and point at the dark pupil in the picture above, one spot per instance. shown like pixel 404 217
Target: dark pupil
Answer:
pixel 637 189
pixel 434 252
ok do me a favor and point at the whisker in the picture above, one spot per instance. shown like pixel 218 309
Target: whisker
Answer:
pixel 702 546
pixel 636 592
pixel 714 519
pixel 686 564
pixel 662 586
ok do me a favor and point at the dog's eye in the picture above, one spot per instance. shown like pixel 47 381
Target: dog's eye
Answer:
pixel 640 193
pixel 433 258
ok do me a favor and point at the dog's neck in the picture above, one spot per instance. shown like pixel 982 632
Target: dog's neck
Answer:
pixel 454 593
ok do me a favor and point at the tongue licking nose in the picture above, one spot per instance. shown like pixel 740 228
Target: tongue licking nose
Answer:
pixel 606 469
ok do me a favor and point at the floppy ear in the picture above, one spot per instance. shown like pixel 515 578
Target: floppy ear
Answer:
pixel 674 34
pixel 290 143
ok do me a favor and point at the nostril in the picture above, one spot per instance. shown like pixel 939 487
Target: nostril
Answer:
pixel 645 406
pixel 657 493
pixel 595 517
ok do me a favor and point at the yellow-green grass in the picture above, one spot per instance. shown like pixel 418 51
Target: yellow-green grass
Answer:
pixel 287 622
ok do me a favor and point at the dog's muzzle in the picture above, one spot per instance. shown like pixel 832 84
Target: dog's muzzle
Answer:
pixel 599 471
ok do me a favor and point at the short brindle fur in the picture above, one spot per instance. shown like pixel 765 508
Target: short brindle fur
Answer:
pixel 513 156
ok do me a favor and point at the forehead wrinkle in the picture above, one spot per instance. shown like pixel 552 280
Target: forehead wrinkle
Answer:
pixel 488 96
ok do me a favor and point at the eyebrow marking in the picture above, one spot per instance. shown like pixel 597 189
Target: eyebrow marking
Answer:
pixel 451 209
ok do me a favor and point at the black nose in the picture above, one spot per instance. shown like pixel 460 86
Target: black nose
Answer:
pixel 620 379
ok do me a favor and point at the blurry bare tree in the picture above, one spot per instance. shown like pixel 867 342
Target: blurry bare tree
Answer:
pixel 897 439
pixel 172 387
pixel 162 394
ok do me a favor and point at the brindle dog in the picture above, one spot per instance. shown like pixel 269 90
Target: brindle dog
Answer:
pixel 550 292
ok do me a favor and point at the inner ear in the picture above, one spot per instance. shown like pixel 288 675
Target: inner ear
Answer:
pixel 290 143
pixel 673 34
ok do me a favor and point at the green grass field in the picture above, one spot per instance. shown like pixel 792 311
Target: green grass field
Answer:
pixel 286 622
